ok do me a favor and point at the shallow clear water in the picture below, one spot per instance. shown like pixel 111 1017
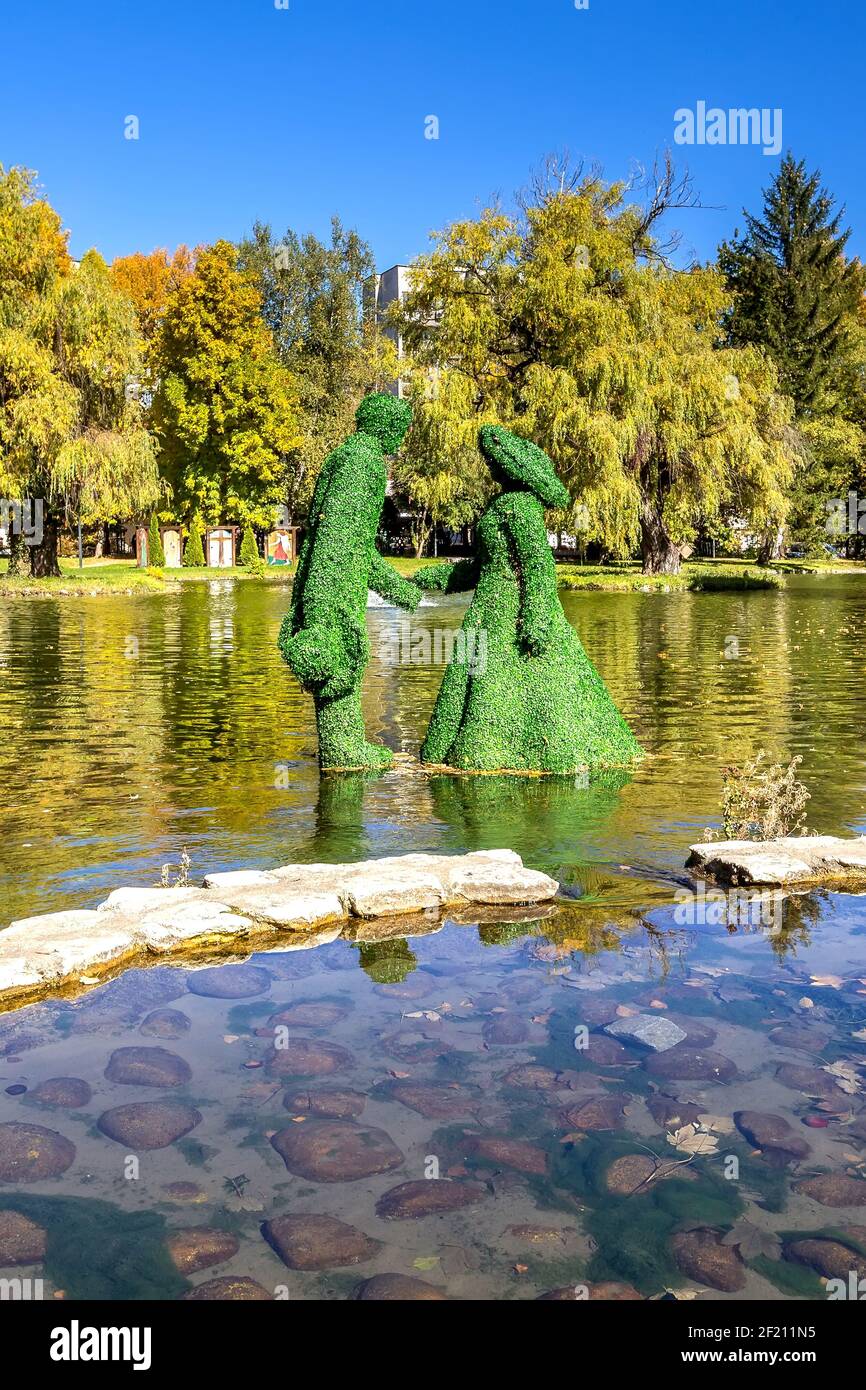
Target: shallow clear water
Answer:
pixel 135 727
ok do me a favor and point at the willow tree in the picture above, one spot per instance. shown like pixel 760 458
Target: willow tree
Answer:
pixel 36 407
pixel 69 342
pixel 439 471
pixel 567 325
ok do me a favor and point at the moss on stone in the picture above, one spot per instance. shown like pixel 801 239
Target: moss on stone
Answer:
pixel 97 1251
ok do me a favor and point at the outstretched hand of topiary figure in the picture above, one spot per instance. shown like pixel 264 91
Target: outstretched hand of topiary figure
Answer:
pixel 324 635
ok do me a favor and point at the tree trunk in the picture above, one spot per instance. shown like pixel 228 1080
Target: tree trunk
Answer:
pixel 421 534
pixel 659 553
pixel 19 557
pixel 772 546
pixel 44 563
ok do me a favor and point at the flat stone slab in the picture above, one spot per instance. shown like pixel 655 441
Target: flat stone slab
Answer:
pixel 794 859
pixel 651 1030
pixel 38 953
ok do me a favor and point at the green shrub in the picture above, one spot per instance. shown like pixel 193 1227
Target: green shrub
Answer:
pixel 249 549
pixel 193 553
pixel 155 552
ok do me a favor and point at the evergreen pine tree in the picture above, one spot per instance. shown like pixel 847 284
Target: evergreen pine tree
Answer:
pixel 193 554
pixel 155 552
pixel 794 291
pixel 249 549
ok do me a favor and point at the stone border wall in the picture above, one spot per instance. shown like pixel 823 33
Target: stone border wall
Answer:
pixel 41 953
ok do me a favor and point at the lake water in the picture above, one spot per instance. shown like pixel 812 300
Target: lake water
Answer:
pixel 132 728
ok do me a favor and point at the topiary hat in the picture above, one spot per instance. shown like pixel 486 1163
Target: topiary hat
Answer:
pixel 524 463
pixel 386 418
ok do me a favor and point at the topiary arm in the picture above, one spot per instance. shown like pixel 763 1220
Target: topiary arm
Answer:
pixel 449 577
pixel 523 519
pixel 389 584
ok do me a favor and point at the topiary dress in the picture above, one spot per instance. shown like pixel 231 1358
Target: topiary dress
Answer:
pixel 521 693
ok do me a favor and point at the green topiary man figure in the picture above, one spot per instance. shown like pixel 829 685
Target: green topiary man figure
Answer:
pixel 324 634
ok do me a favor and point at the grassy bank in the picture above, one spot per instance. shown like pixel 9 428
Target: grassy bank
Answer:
pixel 695 577
pixel 120 577
pixel 627 576
pixel 124 577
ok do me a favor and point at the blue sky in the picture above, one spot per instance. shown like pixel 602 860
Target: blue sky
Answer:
pixel 247 110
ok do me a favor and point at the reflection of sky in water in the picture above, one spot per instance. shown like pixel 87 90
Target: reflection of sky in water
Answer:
pixel 447 1037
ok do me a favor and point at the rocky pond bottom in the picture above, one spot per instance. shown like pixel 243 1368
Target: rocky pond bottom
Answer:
pixel 599 1101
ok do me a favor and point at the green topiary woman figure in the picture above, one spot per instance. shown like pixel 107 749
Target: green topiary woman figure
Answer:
pixel 535 703
pixel 324 634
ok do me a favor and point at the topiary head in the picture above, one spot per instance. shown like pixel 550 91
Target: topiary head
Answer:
pixel 518 461
pixel 386 418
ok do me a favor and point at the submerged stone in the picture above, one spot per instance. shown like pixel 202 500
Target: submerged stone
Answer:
pixel 650 1030
pixel 829 1258
pixel 428 1197
pixel 834 1190
pixel 147 1066
pixel 22 1242
pixel 199 1247
pixel 597 1113
pixel 309 1015
pixel 687 1063
pixel 66 1092
pixel 165 1023
pixel 435 1101
pixel 336 1150
pixel 799 1036
pixel 302 1057
pixel 519 1154
pixel 400 1287
pixel 701 1256
pixel 810 1081
pixel 31 1153
pixel 607 1291
pixel 228 1289
pixel 229 982
pixel 601 1051
pixel 772 1133
pixel 148 1124
pixel 333 1105
pixel 318 1242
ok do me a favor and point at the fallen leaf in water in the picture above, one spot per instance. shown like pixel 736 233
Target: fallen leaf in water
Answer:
pixel 399 1075
pixel 425 1262
pixel 623 1011
pixel 721 1124
pixel 683 1295
pixel 845 1077
pixel 520 1269
pixel 658 1004
pixel 694 1139
pixel 827 981
pixel 752 1241
pixel 429 1014
pixel 230 1037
